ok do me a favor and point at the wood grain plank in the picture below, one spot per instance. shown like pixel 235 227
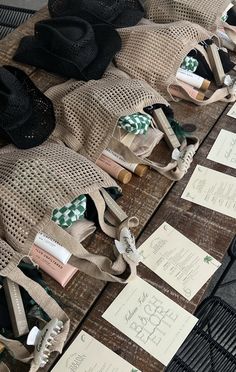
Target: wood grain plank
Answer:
pixel 212 231
pixel 141 197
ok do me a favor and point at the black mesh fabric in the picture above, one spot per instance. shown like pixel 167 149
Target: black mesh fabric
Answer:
pixel 119 13
pixel 71 47
pixel 26 114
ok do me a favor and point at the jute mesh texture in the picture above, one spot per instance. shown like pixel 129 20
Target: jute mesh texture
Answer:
pixel 154 52
pixel 88 115
pixel 203 12
pixel 36 181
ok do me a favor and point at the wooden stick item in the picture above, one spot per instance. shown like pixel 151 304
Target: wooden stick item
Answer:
pixel 164 125
pixel 216 64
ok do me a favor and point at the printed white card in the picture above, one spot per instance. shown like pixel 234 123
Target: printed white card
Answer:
pixel 232 111
pixel 177 260
pixel 213 190
pixel 86 354
pixel 151 319
pixel 224 149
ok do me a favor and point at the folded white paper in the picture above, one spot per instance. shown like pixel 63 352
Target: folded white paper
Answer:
pixel 177 260
pixel 86 354
pixel 150 319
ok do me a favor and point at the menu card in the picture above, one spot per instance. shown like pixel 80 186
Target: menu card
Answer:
pixel 149 318
pixel 232 111
pixel 213 190
pixel 86 354
pixel 177 260
pixel 224 149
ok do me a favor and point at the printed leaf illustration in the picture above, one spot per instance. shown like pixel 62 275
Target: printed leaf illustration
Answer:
pixel 208 260
pixel 134 370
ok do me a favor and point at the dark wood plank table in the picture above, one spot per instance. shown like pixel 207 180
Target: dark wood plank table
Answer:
pixel 153 199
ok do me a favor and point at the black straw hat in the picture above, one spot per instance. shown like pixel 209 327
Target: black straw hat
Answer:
pixel 119 13
pixel 26 114
pixel 70 47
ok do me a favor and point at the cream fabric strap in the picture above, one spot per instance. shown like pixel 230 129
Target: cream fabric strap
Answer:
pixel 219 95
pixel 170 171
pixel 98 266
pixel 49 305
pixel 4 367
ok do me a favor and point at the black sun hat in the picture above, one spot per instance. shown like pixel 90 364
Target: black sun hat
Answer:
pixel 119 13
pixel 26 114
pixel 71 47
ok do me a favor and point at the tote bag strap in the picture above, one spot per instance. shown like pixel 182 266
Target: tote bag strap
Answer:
pixel 46 302
pixel 97 266
pixel 171 170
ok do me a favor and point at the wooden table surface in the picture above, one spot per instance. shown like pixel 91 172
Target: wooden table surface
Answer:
pixel 153 199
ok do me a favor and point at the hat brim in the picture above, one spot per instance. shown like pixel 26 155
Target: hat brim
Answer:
pixel 31 51
pixel 40 124
pixel 128 18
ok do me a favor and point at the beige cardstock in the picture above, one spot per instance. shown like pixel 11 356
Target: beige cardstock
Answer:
pixel 151 319
pixel 177 260
pixel 213 190
pixel 86 354
pixel 224 149
pixel 232 111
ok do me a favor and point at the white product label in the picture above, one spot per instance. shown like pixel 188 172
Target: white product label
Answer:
pixel 53 248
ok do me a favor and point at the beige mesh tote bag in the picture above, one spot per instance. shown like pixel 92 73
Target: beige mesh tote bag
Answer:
pixel 9 260
pixel 36 181
pixel 206 13
pixel 87 118
pixel 154 52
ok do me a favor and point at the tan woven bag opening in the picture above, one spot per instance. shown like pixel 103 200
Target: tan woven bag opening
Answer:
pixel 154 52
pixel 87 116
pixel 203 12
pixel 9 260
pixel 35 182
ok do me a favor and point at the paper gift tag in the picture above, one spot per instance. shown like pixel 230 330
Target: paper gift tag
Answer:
pixel 224 149
pixel 213 190
pixel 177 260
pixel 150 319
pixel 87 354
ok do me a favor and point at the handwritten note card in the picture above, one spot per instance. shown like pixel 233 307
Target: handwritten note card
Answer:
pixel 232 111
pixel 177 260
pixel 213 190
pixel 150 319
pixel 224 149
pixel 86 354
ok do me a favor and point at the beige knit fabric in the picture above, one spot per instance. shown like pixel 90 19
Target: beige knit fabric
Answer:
pixel 203 12
pixel 36 181
pixel 9 260
pixel 88 113
pixel 154 52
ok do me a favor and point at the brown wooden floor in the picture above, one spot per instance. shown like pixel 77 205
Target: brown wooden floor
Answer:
pixel 153 199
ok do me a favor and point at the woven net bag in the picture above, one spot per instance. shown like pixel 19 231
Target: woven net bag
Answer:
pixel 203 12
pixel 9 260
pixel 154 52
pixel 87 114
pixel 34 182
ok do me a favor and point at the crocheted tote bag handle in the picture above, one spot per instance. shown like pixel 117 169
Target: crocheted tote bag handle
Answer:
pixel 99 266
pixel 48 304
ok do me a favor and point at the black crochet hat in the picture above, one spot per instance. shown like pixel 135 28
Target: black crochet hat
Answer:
pixel 26 114
pixel 70 47
pixel 119 13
